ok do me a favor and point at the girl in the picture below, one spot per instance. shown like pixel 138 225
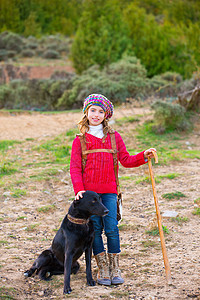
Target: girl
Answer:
pixel 98 176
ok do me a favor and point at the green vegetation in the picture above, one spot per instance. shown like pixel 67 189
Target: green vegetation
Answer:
pixel 167 151
pixel 119 294
pixel 7 293
pixel 46 208
pixel 126 78
pixel 173 195
pixel 44 175
pixel 125 227
pixel 157 178
pixel 101 37
pixel 31 227
pixel 164 35
pixel 197 201
pixel 190 154
pixel 3 242
pixel 155 231
pixel 196 211
pixel 22 218
pixel 169 117
pixel 150 244
pixel 17 193
pixel 5 145
pixel 180 220
pixel 170 37
pixel 7 168
pixel 57 148
pixel 124 120
pixel 72 133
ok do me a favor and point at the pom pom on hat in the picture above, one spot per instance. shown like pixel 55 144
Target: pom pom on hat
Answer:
pixel 99 100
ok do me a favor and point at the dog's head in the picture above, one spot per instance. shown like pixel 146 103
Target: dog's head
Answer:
pixel 91 204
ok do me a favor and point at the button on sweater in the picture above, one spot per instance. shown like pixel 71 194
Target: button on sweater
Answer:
pixel 99 175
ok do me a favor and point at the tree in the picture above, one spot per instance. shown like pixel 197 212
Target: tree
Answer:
pixel 9 16
pixel 31 26
pixel 101 37
pixel 162 46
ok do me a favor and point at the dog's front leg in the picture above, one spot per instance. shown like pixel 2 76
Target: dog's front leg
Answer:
pixel 67 272
pixel 88 255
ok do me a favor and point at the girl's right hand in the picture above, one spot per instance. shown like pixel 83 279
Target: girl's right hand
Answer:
pixel 79 195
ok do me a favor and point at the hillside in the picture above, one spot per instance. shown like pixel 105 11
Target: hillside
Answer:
pixel 36 191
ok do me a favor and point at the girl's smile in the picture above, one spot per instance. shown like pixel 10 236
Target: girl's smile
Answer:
pixel 95 115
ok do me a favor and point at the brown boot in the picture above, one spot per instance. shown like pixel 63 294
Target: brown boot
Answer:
pixel 103 276
pixel 115 272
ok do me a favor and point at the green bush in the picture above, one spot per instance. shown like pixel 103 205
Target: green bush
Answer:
pixel 172 77
pixel 35 94
pixel 58 43
pixel 11 53
pixel 12 41
pixel 3 55
pixel 166 85
pixel 62 75
pixel 6 96
pixel 118 81
pixel 32 45
pixel 51 54
pixel 169 116
pixel 27 53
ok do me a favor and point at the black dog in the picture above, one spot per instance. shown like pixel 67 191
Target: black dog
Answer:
pixel 75 236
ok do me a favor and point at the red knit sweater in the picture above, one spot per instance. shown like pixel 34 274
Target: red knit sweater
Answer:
pixel 99 175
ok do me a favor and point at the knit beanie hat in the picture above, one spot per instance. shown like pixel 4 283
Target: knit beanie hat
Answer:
pixel 100 100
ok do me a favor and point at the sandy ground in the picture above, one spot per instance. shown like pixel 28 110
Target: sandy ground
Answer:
pixel 25 232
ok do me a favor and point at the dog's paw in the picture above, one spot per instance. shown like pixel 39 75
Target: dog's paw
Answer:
pixel 26 275
pixel 91 282
pixel 67 291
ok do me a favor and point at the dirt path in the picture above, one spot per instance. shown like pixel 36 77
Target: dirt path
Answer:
pixel 25 231
pixel 24 126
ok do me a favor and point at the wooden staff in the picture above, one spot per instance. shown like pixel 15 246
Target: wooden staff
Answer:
pixel 162 239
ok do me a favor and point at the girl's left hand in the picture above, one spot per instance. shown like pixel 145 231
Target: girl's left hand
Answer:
pixel 149 153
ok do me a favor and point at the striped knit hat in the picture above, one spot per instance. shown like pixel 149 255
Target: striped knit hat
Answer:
pixel 100 100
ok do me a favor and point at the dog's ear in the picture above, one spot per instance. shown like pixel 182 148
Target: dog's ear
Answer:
pixel 99 198
pixel 76 202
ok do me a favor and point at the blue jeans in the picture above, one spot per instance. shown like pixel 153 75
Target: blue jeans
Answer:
pixel 109 224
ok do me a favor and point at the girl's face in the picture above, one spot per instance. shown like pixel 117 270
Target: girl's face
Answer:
pixel 95 115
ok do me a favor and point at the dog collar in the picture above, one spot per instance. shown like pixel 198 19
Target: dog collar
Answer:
pixel 76 220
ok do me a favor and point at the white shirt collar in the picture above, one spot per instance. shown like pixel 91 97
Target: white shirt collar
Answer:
pixel 96 130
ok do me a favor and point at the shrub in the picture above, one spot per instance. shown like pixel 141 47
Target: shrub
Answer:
pixel 129 73
pixel 3 55
pixel 53 46
pixel 31 45
pixel 12 41
pixel 51 54
pixel 11 53
pixel 123 79
pixel 27 53
pixel 35 94
pixel 166 85
pixel 2 75
pixel 62 75
pixel 172 76
pixel 169 116
pixel 6 96
pixel 65 101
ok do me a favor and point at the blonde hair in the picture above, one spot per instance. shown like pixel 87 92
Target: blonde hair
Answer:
pixel 83 126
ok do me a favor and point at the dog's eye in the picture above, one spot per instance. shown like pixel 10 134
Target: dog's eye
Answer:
pixel 93 201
